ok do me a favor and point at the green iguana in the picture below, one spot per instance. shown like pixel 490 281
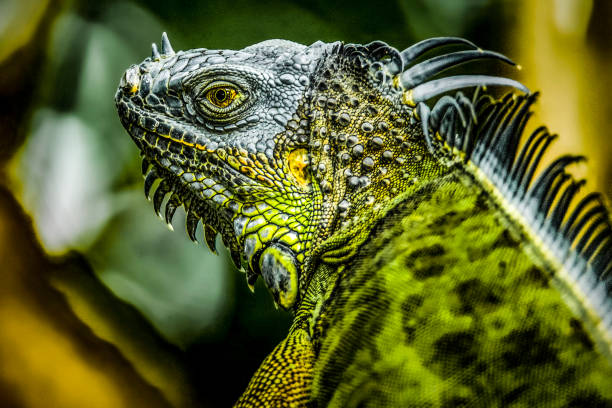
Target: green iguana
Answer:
pixel 403 222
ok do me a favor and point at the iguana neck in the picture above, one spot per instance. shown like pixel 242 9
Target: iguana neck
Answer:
pixel 460 226
pixel 367 152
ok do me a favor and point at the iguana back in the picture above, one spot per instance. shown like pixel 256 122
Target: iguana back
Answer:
pixel 438 308
pixel 426 264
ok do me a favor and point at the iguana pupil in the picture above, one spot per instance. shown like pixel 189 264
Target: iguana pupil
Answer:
pixel 220 95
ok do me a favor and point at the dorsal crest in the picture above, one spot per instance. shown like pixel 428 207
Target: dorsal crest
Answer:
pixel 575 236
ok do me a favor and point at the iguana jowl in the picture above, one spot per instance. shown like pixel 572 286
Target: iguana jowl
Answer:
pixel 426 261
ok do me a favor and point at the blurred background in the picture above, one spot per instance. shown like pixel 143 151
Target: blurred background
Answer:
pixel 102 306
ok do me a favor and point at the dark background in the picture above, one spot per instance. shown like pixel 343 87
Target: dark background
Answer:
pixel 100 305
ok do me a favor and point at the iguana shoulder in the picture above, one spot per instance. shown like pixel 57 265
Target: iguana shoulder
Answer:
pixel 426 262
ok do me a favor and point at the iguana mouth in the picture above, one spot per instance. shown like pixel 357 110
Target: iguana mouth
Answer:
pixel 195 189
pixel 180 195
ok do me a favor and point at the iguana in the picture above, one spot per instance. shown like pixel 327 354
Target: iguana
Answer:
pixel 396 211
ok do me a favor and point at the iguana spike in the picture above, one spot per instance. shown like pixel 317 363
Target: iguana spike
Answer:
pixel 154 52
pixel 598 241
pixel 597 222
pixel 518 168
pixel 439 109
pixel 437 87
pixel 423 113
pixel 236 259
pixel 191 224
pixel 574 217
pixel 584 220
pixel 601 261
pixel 421 72
pixel 559 183
pixel 467 104
pixel 496 120
pixel 420 48
pixel 166 48
pixel 508 138
pixel 251 278
pixel 251 287
pixel 545 180
pixel 159 195
pixel 526 169
pixel 389 56
pixel 560 209
pixel 145 166
pixel 210 236
pixel 149 180
pixel 173 203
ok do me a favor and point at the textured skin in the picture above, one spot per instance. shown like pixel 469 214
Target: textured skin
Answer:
pixel 423 271
pixel 285 376
pixel 453 322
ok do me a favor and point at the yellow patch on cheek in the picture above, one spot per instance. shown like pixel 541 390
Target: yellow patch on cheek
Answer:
pixel 298 161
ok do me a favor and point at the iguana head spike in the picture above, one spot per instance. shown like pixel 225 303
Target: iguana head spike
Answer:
pixel 431 89
pixel 154 52
pixel 415 79
pixel 166 48
pixel 419 73
pixel 414 51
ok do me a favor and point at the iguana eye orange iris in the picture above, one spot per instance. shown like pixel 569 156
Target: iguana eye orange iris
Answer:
pixel 221 97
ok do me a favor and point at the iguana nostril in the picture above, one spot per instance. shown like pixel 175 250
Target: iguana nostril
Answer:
pixel 130 81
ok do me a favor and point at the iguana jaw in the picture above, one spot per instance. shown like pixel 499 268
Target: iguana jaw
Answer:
pixel 243 172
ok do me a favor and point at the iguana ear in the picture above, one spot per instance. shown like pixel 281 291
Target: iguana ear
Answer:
pixel 279 269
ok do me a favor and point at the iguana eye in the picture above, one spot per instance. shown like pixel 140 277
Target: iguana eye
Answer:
pixel 221 97
pixel 222 101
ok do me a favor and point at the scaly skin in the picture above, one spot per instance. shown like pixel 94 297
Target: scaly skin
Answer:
pixel 424 265
pixel 459 317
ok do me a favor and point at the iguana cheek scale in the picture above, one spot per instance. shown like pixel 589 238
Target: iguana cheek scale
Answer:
pixel 414 242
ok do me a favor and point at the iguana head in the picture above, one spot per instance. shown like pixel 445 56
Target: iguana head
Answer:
pixel 279 146
pixel 223 131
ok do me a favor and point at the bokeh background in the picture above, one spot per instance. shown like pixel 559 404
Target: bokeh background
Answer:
pixel 100 305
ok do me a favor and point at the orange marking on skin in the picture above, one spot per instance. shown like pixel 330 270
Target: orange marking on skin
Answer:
pixel 232 161
pixel 298 161
pixel 247 171
pixel 265 180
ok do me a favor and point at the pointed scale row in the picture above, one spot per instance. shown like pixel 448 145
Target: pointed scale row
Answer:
pixel 580 238
pixel 165 187
pixel 166 48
